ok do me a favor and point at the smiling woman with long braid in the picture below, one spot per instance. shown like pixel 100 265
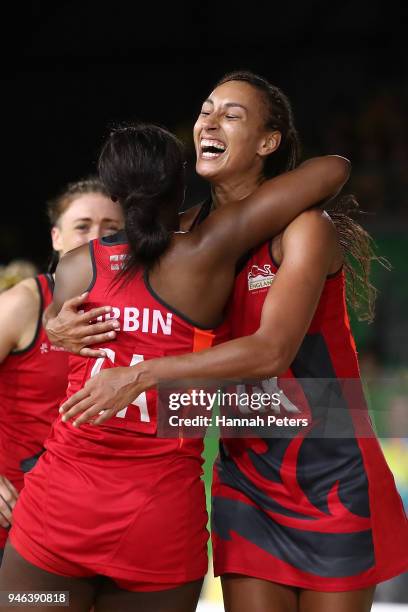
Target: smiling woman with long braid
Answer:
pixel 301 524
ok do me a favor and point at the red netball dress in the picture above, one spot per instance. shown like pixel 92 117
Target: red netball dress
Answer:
pixel 317 509
pixel 116 499
pixel 33 382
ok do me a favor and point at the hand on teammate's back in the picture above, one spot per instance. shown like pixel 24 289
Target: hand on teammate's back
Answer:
pixel 105 394
pixel 75 331
pixel 8 498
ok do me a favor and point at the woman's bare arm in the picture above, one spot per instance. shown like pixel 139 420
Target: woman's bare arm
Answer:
pixel 19 312
pixel 266 212
pixel 72 277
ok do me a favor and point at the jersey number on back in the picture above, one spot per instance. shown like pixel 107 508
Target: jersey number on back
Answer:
pixel 141 401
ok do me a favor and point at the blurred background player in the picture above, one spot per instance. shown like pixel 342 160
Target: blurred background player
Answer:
pixel 32 371
pixel 16 271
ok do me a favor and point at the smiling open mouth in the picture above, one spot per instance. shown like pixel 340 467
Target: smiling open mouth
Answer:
pixel 210 148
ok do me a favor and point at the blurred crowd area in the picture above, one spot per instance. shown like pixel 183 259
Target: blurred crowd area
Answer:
pixel 376 140
pixel 16 271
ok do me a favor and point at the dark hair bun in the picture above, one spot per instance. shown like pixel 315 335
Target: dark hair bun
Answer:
pixel 142 166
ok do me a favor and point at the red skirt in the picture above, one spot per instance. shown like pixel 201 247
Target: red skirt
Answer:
pixel 316 514
pixel 138 521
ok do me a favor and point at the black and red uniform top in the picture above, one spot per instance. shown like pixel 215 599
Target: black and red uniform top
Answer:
pixel 316 508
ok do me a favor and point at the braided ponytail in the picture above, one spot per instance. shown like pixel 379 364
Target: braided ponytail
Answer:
pixel 358 255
